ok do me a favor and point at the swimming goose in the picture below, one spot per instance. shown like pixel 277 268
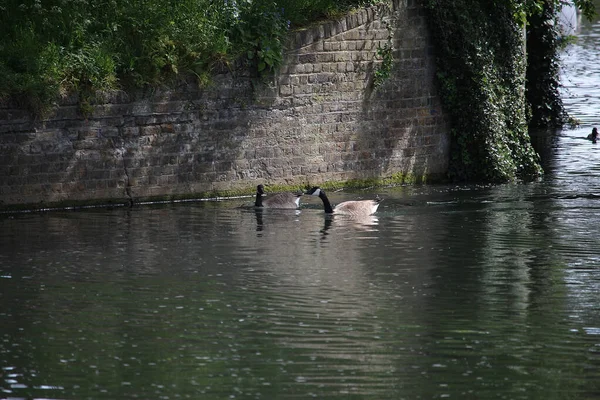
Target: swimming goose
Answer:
pixel 278 200
pixel 593 136
pixel 354 207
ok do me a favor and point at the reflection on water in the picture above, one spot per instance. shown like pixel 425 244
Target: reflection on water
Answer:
pixel 581 91
pixel 464 292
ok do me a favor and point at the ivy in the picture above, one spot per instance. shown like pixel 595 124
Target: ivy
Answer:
pixel 544 43
pixel 385 54
pixel 489 89
pixel 481 68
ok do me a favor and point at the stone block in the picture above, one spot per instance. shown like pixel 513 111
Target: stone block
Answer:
pixel 309 58
pixel 318 46
pixel 351 36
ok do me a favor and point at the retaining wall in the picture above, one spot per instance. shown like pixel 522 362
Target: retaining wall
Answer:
pixel 319 119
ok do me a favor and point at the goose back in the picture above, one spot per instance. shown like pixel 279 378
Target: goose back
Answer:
pixel 277 200
pixel 351 207
pixel 357 207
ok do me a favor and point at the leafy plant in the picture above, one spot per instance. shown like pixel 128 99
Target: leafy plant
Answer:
pixel 385 54
pixel 31 72
pixel 480 71
pixel 261 32
pixel 54 47
pixel 544 43
pixel 481 75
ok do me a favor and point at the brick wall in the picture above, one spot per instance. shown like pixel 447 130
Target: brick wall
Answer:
pixel 320 119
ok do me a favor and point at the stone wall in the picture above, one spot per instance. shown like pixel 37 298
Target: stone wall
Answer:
pixel 320 119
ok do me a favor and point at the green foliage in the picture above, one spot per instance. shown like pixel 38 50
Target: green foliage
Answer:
pixel 58 46
pixel 480 72
pixel 544 43
pixel 385 53
pixel 261 32
pixel 53 47
pixel 481 69
pixel 587 8
pixel 31 72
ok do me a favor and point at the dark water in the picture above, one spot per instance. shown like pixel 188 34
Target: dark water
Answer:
pixel 449 292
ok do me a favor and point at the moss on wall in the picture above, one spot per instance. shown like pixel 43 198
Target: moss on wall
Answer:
pixel 245 192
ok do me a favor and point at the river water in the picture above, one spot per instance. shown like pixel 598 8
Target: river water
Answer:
pixel 469 292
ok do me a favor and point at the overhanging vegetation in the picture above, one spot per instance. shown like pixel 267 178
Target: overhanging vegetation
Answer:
pixel 481 65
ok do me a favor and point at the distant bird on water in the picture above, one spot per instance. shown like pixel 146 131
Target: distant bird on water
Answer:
pixel 356 208
pixel 277 200
pixel 593 136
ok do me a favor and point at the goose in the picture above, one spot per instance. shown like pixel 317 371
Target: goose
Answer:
pixel 357 208
pixel 278 200
pixel 593 136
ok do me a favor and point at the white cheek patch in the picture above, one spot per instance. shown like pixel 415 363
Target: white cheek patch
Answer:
pixel 317 192
pixel 297 201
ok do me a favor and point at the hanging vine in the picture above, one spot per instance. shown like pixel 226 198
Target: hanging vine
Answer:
pixel 481 75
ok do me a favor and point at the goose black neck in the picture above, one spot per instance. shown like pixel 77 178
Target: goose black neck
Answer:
pixel 326 203
pixel 258 201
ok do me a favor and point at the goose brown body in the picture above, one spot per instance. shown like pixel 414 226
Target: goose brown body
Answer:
pixel 357 208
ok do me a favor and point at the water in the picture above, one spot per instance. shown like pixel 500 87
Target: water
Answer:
pixel 469 292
